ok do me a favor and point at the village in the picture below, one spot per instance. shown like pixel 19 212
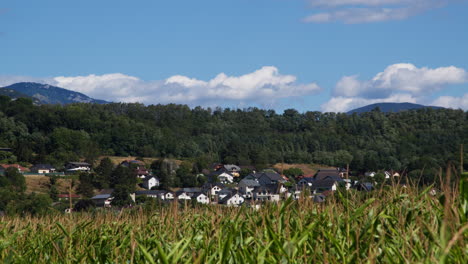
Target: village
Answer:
pixel 224 186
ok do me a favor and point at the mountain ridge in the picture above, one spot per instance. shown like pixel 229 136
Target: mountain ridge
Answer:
pixel 49 94
pixel 390 107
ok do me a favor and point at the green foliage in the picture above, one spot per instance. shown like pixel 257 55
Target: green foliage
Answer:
pixel 103 174
pixel 53 193
pixel 123 176
pixel 396 226
pixel 85 187
pixel 121 195
pixel 293 173
pixel 32 204
pixel 409 140
pixel 84 205
pixel 16 180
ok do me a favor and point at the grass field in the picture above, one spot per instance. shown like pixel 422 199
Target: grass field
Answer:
pixel 41 184
pixel 396 225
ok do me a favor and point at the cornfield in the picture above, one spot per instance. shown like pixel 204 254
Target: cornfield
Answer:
pixel 391 225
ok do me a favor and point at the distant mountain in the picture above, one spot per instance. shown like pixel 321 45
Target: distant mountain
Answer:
pixel 48 94
pixel 390 107
pixel 15 95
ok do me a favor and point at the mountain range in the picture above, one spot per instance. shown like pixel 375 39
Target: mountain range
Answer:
pixel 46 94
pixel 390 107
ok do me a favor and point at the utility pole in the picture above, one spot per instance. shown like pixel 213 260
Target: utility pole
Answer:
pixel 461 158
pixel 347 171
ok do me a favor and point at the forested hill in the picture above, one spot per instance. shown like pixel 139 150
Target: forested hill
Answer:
pixel 419 141
pixel 390 107
pixel 48 94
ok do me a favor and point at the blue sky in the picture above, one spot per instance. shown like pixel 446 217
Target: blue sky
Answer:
pixel 310 55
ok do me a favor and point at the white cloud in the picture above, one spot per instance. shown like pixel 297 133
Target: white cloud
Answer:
pixel 344 104
pixel 264 86
pixel 401 82
pixel 452 102
pixel 368 11
pixel 401 77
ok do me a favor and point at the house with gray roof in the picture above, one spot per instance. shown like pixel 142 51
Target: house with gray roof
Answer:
pixel 246 186
pixel 233 199
pixel 265 178
pixel 270 192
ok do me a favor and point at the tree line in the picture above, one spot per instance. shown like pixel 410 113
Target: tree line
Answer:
pixel 416 141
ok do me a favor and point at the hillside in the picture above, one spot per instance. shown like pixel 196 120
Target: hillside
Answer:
pixel 390 107
pixel 48 94
pixel 15 95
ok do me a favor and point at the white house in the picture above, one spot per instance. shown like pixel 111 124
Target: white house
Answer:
pixel 42 168
pixel 168 196
pixel 232 200
pixel 212 189
pixel 103 200
pixel 225 178
pixel 77 166
pixel 150 182
pixel 181 195
pixel 201 198
pixel 246 186
pixel 306 181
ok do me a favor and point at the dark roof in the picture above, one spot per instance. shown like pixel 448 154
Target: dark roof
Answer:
pixel 149 177
pixel 227 191
pixel 334 177
pixel 323 184
pixel 101 196
pixel 42 166
pixel 125 162
pixel 79 163
pixel 271 175
pixel 270 188
pixel 322 174
pixel 266 177
pixel 196 194
pixel 307 180
pixel 227 197
pixel 365 186
pixel 249 182
pixel 192 190
pixel 231 167
pixel 179 192
pixel 219 172
pixel 211 185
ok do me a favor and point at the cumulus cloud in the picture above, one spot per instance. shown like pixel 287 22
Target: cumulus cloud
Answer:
pixel 401 77
pixel 264 87
pixel 401 82
pixel 344 104
pixel 452 102
pixel 368 11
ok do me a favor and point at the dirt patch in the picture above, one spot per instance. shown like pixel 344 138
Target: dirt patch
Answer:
pixel 308 169
pixel 40 184
pixel 117 160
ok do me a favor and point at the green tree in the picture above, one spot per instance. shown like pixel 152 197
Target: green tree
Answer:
pixel 16 179
pixel 121 196
pixel 103 174
pixel 293 173
pixel 85 187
